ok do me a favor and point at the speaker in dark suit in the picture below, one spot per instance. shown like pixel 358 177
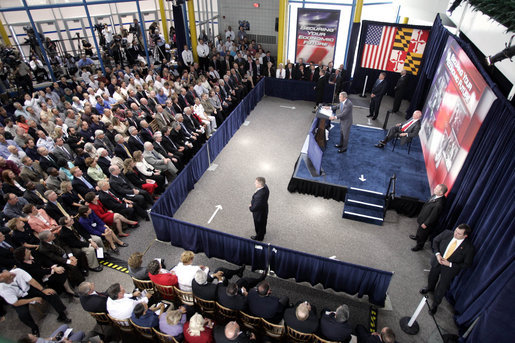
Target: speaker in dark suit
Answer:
pixel 377 95
pixel 429 216
pixel 453 252
pixel 259 208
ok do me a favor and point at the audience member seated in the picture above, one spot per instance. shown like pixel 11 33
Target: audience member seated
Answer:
pixel 161 276
pixel 74 337
pixel 19 289
pixel 185 270
pixel 94 171
pixel 385 336
pixel 159 162
pixel 262 304
pixel 120 305
pixel 198 330
pixel 54 206
pixel 90 221
pixel 12 184
pixel 70 199
pixel 82 184
pixel 14 207
pixel 334 325
pixel 76 265
pixel 135 269
pixel 302 317
pixel 233 297
pixel 231 333
pixel 39 220
pixel 107 216
pixel 22 236
pixel 113 203
pixel 91 300
pixel 138 179
pixel 7 260
pixel 148 171
pixel 77 239
pixel 145 316
pixel 172 322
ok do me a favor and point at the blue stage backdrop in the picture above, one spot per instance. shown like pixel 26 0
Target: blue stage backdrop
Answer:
pixel 483 197
pixel 338 275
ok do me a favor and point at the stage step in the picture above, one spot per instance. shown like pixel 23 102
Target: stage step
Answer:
pixel 365 206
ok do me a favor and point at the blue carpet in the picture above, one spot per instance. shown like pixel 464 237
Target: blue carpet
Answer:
pixel 376 165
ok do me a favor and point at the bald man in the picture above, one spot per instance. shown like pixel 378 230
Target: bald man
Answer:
pixel 231 333
pixel 405 131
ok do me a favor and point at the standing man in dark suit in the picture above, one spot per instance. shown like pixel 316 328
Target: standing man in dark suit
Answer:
pixel 453 252
pixel 429 215
pixel 406 131
pixel 259 208
pixel 320 89
pixel 400 90
pixel 343 112
pixel 377 95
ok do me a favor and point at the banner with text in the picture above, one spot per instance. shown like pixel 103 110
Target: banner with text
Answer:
pixel 317 31
pixel 455 108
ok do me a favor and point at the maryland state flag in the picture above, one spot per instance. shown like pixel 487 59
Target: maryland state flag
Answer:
pixel 407 50
pixel 394 48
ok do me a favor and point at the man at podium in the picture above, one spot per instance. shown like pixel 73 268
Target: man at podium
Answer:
pixel 343 111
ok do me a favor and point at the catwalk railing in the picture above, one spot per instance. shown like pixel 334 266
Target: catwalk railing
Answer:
pixel 287 263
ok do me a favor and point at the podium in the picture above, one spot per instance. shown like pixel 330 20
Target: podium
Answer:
pixel 323 123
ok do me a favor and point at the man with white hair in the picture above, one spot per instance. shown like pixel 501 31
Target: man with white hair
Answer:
pixel 158 161
pixel 101 141
pixel 334 325
pixel 16 155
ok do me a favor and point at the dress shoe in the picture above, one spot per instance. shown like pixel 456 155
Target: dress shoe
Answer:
pixel 416 248
pixel 85 272
pixel 341 150
pixel 63 319
pixel 35 331
pixel 115 251
pixel 338 146
pixel 240 271
pixel 424 290
pixel 256 238
pixel 97 269
pixel 379 145
pixel 374 118
pixel 413 237
pixel 370 115
pixel 123 235
pixel 123 245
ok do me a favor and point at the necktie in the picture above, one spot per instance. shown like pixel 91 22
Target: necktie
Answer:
pixel 126 150
pixel 341 106
pixel 450 249
pixel 40 196
pixel 138 139
pixel 112 196
pixel 61 209
pixel 66 152
pixel 405 126
pixel 89 185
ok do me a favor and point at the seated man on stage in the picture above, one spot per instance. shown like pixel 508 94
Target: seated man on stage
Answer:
pixel 405 131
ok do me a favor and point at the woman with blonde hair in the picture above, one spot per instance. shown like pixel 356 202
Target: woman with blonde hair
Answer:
pixel 136 178
pixel 120 127
pixel 148 171
pixel 172 321
pixel 135 269
pixel 198 330
pixel 70 198
pixel 94 171
pixel 280 73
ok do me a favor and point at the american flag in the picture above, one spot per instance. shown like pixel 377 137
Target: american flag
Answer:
pixel 378 46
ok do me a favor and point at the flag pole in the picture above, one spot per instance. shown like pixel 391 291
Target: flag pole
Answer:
pixel 364 87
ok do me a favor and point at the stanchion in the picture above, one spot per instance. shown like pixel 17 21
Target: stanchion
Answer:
pixel 386 119
pixel 410 325
pixel 364 87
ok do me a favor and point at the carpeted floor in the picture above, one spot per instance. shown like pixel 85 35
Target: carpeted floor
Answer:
pixel 376 165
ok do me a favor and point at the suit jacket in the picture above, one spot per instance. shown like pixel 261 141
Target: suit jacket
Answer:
pixel 460 259
pixel 53 211
pixel 291 74
pixel 80 187
pixel 59 153
pixel 219 336
pixel 153 160
pixel 33 198
pixel 94 303
pixel 259 204
pixel 104 164
pixel 146 134
pixel 236 302
pixel 267 307
pixel 54 253
pixel 161 119
pixel 134 144
pixel 121 186
pixel 111 203
pixel 309 325
pixel 119 151
pixel 412 131
pixel 380 89
pixel 7 260
pixel 205 292
pixel 333 330
pixel 71 238
pixel 401 85
pixel 45 163
pixel 35 174
pixel 105 143
pixel 344 113
pixel 430 212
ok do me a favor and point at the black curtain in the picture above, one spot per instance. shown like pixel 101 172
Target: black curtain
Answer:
pixel 482 196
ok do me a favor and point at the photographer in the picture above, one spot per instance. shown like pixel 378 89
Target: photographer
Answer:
pixel 88 49
pixel 115 49
pixel 23 77
pixel 135 29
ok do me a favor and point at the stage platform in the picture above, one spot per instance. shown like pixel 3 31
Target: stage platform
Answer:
pixel 365 167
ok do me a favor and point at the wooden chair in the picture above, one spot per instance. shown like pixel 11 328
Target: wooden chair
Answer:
pixel 249 321
pixel 297 336
pixel 185 297
pixel 273 330
pixel 167 292
pixel 101 318
pixel 164 338
pixel 225 313
pixel 143 284
pixel 146 333
pixel 124 325
pixel 318 339
pixel 206 306
pixel 154 125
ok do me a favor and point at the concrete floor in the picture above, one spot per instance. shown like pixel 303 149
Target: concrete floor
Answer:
pixel 269 146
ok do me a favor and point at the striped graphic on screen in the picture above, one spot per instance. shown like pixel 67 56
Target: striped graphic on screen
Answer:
pixel 378 46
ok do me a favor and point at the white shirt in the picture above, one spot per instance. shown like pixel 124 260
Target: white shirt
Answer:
pixel 185 275
pixel 202 50
pixel 18 288
pixel 229 34
pixel 17 158
pixel 123 308
pixel 280 73
pixel 187 57
pixel 47 143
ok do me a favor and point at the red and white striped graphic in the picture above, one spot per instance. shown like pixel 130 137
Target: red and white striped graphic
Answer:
pixel 378 46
